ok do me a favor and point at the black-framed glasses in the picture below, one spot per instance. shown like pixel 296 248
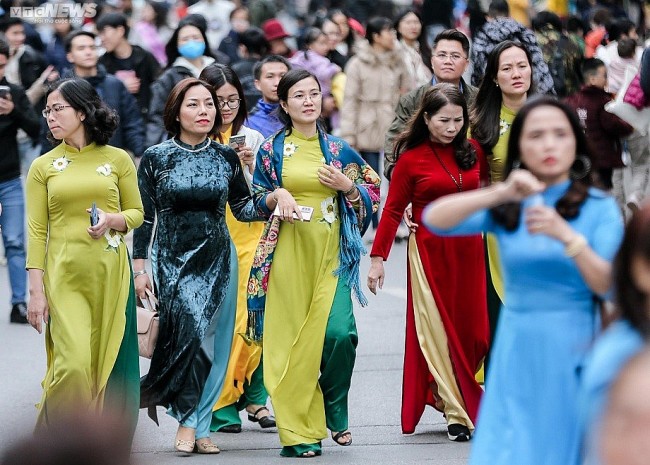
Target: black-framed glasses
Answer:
pixel 232 103
pixel 55 108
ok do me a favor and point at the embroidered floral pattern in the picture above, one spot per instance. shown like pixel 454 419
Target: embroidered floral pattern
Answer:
pixel 328 209
pixel 60 163
pixel 113 241
pixel 352 171
pixel 104 169
pixel 503 127
pixel 335 147
pixel 289 149
pixel 337 164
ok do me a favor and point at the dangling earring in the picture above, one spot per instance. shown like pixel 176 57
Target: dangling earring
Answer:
pixel 496 84
pixel 580 168
pixel 516 164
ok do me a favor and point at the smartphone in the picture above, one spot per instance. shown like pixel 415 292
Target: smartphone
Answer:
pixel 5 92
pixel 94 215
pixel 237 142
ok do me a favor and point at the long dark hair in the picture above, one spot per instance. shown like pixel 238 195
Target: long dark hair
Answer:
pixel 632 301
pixel 425 50
pixel 417 131
pixel 293 77
pixel 568 206
pixel 100 120
pixel 171 49
pixel 486 111
pixel 218 75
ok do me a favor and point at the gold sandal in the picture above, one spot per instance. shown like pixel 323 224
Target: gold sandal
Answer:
pixel 184 446
pixel 206 447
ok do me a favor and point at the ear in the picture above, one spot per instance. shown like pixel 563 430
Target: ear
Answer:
pixel 69 57
pixel 257 85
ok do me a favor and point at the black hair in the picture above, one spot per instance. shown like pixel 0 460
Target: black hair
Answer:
pixel 8 21
pixel 375 26
pixel 4 48
pixel 498 8
pixel 543 19
pixel 618 28
pixel 626 48
pixel 114 20
pixel 160 10
pixel 67 43
pixel 425 50
pixel 568 206
pixel 100 120
pixel 600 16
pixel 255 41
pixel 574 24
pixel 289 80
pixel 257 69
pixel 217 75
pixel 453 34
pixel 632 301
pixel 171 49
pixel 589 67
pixel 349 39
pixel 417 132
pixel 486 111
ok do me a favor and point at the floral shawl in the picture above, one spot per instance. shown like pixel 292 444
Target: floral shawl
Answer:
pixel 354 222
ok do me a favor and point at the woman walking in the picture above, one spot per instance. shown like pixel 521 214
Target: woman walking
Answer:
pixel 306 315
pixel 557 237
pixel 81 284
pixel 185 183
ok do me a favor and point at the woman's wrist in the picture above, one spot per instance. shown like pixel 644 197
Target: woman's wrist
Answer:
pixel 576 245
pixel 351 191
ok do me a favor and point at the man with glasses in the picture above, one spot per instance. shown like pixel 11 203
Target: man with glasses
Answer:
pixel 15 113
pixel 81 51
pixel 449 61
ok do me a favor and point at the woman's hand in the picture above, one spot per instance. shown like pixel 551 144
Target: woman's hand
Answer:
pixel 408 218
pixel 247 157
pixel 142 283
pixel 376 274
pixel 38 311
pixel 98 231
pixel 541 219
pixel 334 178
pixel 287 205
pixel 519 185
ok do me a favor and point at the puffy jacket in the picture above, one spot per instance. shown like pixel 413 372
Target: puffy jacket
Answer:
pixel 373 87
pixel 493 33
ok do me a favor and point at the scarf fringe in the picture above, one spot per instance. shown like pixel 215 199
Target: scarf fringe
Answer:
pixel 350 253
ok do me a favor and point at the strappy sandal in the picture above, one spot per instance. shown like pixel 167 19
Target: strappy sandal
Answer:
pixel 340 435
pixel 187 447
pixel 267 421
pixel 206 447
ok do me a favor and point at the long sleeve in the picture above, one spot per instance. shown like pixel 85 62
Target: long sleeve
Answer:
pixel 399 196
pixel 350 110
pixel 147 186
pixel 131 122
pixel 240 200
pixel 24 113
pixel 37 216
pixel 402 113
pixel 155 125
pixel 130 201
pixel 613 125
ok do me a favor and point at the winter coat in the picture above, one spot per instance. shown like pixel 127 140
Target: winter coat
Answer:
pixel 263 118
pixel 492 34
pixel 146 68
pixel 129 134
pixel 603 129
pixel 319 66
pixel 373 88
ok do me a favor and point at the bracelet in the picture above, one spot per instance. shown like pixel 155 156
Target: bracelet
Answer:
pixel 350 190
pixel 576 246
pixel 356 199
pixel 139 273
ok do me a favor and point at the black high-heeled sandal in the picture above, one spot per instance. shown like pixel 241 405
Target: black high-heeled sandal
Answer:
pixel 341 435
pixel 267 421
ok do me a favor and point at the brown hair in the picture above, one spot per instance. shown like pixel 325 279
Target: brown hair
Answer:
pixel 175 100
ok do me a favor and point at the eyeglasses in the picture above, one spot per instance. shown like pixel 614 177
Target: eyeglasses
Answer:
pixel 313 96
pixel 453 57
pixel 57 109
pixel 232 103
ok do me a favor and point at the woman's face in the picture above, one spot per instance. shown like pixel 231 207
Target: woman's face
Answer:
pixel 445 125
pixel 228 96
pixel 641 274
pixel 63 121
pixel 148 14
pixel 409 27
pixel 333 33
pixel 198 112
pixel 240 20
pixel 304 100
pixel 321 45
pixel 189 33
pixel 514 73
pixel 342 22
pixel 547 144
pixel 385 39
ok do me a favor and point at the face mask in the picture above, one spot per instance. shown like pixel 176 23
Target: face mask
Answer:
pixel 192 49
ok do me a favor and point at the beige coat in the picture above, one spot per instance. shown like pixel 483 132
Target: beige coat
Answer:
pixel 373 87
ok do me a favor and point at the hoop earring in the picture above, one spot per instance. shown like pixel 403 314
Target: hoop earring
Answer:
pixel 580 168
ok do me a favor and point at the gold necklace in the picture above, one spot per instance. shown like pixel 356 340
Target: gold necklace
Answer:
pixel 459 182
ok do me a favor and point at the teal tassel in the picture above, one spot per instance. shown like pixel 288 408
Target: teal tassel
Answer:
pixel 350 255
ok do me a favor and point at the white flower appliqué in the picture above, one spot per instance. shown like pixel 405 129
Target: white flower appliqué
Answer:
pixel 113 241
pixel 60 163
pixel 104 169
pixel 503 127
pixel 289 149
pixel 328 210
